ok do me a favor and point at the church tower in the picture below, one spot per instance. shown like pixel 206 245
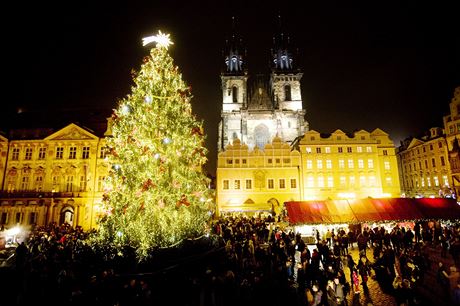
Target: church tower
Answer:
pixel 259 108
pixel 234 90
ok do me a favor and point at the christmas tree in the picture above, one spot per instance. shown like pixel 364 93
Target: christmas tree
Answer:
pixel 156 194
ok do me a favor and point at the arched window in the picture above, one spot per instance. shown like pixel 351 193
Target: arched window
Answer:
pixel 262 135
pixel 235 94
pixel 287 93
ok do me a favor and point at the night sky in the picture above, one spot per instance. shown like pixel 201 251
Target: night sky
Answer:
pixel 393 66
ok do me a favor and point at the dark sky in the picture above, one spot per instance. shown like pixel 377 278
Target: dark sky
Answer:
pixel 392 65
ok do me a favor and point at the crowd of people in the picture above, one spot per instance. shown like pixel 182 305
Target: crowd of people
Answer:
pixel 253 261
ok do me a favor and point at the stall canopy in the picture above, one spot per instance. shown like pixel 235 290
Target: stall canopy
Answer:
pixel 371 210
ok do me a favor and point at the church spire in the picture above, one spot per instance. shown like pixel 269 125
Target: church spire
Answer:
pixel 233 53
pixel 282 57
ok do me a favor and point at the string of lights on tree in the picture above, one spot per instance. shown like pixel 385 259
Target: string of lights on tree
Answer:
pixel 156 193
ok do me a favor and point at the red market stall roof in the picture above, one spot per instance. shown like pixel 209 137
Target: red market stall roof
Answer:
pixel 374 210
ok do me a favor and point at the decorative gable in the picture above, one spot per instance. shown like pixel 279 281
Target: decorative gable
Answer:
pixel 72 132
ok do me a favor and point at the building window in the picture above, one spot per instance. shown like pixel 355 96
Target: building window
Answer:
pixel 4 219
pixel 385 152
pixel 339 137
pixel 360 163
pixel 309 164
pixel 318 150
pixel 235 94
pixel 286 160
pixel 56 183
pixel 69 184
pixel 388 181
pixel 369 149
pixel 386 165
pixel 370 163
pixel 25 183
pixel 28 155
pixel 320 181
pixel 85 153
pixel 287 93
pixel 440 144
pixel 100 183
pixel 350 164
pixel 42 153
pixel 372 181
pixel 343 181
pixel 103 152
pixel 15 155
pixel 33 218
pixel 341 163
pixel 443 163
pixel 310 181
pixel 431 147
pixel 293 183
pixel 308 149
pixel 340 149
pixel 237 184
pixel 82 183
pixel 445 180
pixel 426 164
pixel 248 184
pixel 352 181
pixel 330 181
pixel 278 160
pixel 359 149
pixel 436 181
pixel 362 180
pixel 244 161
pixel 319 164
pixel 38 183
pixel 73 152
pixel 428 181
pixel 229 161
pixel 328 149
pixel 424 150
pixel 282 183
pixel 329 164
pixel 237 161
pixel 270 184
pixel 59 152
pixel 349 150
pixel 270 161
pixel 19 216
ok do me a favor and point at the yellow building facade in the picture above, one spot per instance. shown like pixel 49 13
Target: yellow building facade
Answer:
pixel 257 180
pixel 339 166
pixel 318 168
pixel 58 179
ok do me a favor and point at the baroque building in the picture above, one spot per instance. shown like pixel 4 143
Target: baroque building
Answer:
pixel 56 177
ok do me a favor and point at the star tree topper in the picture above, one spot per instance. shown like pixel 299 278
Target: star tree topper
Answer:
pixel 162 40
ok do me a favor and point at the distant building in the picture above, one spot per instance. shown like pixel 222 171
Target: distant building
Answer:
pixel 430 164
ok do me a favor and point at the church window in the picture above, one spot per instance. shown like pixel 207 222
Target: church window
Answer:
pixel 262 135
pixel 235 94
pixel 287 93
